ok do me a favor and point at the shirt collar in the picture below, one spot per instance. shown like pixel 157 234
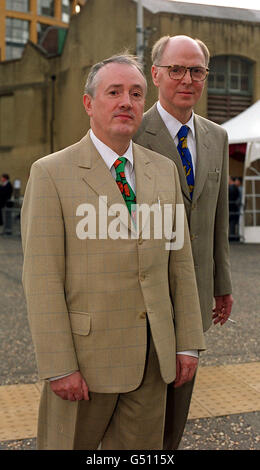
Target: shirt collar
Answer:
pixel 172 124
pixel 108 155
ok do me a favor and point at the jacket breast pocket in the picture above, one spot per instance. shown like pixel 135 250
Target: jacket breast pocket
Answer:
pixel 80 323
pixel 213 175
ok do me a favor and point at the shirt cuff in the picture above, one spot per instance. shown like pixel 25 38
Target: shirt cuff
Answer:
pixel 60 376
pixel 193 353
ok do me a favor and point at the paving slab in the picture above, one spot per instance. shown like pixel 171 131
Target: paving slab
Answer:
pixel 218 391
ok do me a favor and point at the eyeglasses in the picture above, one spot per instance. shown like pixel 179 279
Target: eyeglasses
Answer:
pixel 177 72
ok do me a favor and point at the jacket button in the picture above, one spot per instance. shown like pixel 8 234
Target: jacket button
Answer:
pixel 142 277
pixel 143 315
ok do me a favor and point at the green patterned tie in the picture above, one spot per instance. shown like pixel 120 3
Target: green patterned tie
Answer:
pixel 125 189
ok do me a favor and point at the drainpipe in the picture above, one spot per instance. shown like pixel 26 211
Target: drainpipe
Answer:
pixel 139 32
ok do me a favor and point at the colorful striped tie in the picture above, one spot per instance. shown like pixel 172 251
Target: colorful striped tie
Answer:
pixel 125 189
pixel 186 157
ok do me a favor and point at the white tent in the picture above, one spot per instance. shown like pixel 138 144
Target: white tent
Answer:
pixel 245 128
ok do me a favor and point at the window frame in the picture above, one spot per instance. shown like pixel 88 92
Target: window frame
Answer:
pixel 227 73
pixel 40 6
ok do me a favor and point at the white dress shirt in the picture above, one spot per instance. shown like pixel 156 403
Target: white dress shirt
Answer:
pixel 109 157
pixel 173 126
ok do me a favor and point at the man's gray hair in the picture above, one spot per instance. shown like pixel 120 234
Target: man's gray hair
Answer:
pixel 160 46
pixel 125 59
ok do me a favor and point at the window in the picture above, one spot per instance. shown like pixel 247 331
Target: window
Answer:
pixel 217 76
pixel 17 5
pixel 17 35
pixel 65 12
pixel 41 28
pixel 230 75
pixel 46 7
pixel 230 85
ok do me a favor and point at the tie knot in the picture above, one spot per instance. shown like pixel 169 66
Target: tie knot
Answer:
pixel 119 164
pixel 183 132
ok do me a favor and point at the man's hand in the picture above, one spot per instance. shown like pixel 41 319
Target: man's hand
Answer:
pixel 223 308
pixel 185 369
pixel 73 387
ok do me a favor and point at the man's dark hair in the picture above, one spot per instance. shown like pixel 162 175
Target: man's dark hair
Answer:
pixel 124 58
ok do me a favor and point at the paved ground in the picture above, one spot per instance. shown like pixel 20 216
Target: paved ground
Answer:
pixel 227 345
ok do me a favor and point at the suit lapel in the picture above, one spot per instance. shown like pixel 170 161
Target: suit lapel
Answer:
pixel 163 144
pixel 144 179
pixel 203 153
pixel 99 178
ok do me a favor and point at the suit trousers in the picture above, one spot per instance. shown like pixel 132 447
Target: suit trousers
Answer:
pixel 177 410
pixel 127 421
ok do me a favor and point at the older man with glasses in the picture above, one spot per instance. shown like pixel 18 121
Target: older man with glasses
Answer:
pixel 199 149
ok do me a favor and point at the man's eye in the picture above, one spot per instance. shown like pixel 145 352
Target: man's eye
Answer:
pixel 137 94
pixel 175 69
pixel 113 92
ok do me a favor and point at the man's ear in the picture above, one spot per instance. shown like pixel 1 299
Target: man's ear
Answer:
pixel 87 102
pixel 154 72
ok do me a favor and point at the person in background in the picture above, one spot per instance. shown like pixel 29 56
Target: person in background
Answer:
pixel 234 199
pixel 6 190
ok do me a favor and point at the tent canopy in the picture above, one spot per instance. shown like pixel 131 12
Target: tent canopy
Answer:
pixel 245 127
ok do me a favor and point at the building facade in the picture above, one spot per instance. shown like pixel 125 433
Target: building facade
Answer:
pixel 41 108
pixel 23 20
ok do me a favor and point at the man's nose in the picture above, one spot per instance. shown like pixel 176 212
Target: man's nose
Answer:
pixel 126 100
pixel 187 77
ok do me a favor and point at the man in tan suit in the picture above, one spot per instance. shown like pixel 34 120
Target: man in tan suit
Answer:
pixel 179 70
pixel 107 311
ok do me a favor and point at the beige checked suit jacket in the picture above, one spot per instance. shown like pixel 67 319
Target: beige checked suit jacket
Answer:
pixel 88 300
pixel 207 212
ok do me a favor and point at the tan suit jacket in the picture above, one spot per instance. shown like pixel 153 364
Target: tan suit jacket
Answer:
pixel 207 212
pixel 88 300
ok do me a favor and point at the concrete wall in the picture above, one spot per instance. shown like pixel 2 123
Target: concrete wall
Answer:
pixel 39 114
pixel 24 112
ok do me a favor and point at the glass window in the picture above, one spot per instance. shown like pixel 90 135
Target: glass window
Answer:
pixel 17 30
pixel 230 75
pixel 234 82
pixel 46 7
pixel 220 80
pixel 65 12
pixel 211 81
pixel 17 5
pixel 245 67
pixel 244 83
pixel 234 66
pixel 17 35
pixel 13 52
